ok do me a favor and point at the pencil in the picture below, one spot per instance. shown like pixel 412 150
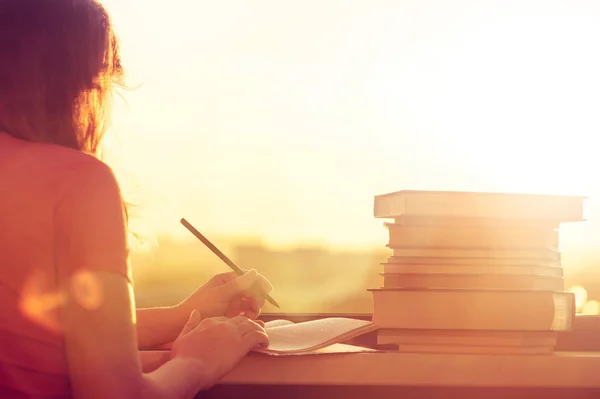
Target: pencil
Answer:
pixel 221 255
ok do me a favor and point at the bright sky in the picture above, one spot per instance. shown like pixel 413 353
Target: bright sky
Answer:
pixel 282 119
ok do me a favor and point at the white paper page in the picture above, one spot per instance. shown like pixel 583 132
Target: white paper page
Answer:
pixel 314 334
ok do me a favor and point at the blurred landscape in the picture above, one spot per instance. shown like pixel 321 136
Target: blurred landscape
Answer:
pixel 305 279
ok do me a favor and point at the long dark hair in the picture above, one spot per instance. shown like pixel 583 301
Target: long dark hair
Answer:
pixel 59 61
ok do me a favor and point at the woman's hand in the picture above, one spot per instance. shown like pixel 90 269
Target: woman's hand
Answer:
pixel 229 295
pixel 218 343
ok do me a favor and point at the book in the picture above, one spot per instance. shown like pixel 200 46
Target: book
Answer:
pixel 473 272
pixel 478 350
pixel 473 281
pixel 315 336
pixel 542 253
pixel 560 208
pixel 387 336
pixel 473 309
pixel 476 269
pixel 441 260
pixel 480 237
pixel 428 220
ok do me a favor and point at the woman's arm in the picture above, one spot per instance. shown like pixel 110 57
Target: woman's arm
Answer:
pixel 101 345
pixel 159 326
pixel 97 313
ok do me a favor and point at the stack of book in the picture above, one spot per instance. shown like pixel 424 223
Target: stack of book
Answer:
pixel 473 272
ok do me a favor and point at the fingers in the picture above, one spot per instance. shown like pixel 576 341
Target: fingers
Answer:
pixel 247 306
pixel 244 325
pixel 251 307
pixel 256 304
pixel 263 283
pixel 253 334
pixel 241 320
pixel 255 339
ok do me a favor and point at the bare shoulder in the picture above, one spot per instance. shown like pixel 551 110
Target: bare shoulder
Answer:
pixel 55 156
pixel 72 169
pixel 83 173
pixel 32 156
pixel 50 171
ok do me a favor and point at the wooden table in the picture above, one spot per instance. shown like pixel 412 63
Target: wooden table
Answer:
pixel 387 374
pixel 572 374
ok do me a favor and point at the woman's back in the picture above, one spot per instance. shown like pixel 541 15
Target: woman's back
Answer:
pixel 34 180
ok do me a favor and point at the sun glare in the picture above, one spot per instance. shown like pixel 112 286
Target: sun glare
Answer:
pixel 306 126
pixel 581 297
pixel 254 126
pixel 591 308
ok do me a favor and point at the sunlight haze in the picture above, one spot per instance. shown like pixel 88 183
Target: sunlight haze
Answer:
pixel 280 120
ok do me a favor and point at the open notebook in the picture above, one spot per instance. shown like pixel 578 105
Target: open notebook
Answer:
pixel 315 336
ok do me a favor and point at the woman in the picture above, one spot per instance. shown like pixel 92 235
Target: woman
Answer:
pixel 68 326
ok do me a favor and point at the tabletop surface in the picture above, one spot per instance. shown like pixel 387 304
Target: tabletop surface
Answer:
pixel 562 369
